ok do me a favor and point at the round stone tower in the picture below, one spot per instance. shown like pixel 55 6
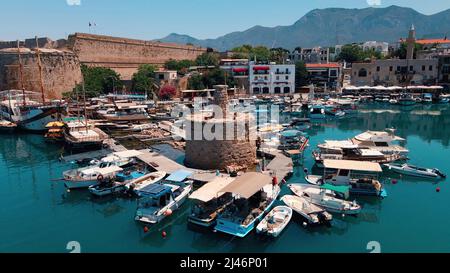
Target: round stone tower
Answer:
pixel 220 142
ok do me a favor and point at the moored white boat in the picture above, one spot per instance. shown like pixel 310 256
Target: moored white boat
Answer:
pixel 312 213
pixel 140 183
pixel 275 222
pixel 411 170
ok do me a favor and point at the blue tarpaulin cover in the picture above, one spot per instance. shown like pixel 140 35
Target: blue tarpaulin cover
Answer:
pixel 179 176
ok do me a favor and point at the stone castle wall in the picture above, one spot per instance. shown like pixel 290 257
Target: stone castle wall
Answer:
pixel 60 72
pixel 126 55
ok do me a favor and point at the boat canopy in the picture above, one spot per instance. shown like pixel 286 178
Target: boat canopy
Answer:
pixel 248 184
pixel 341 189
pixel 352 165
pixel 211 190
pixel 103 171
pixel 127 154
pixel 156 190
pixel 55 124
pixel 179 176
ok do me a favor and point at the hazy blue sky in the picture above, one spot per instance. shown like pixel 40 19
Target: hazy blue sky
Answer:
pixel 150 19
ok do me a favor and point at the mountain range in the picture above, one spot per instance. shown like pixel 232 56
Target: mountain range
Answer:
pixel 331 26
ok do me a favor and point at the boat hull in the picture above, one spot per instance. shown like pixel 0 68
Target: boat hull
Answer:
pixel 80 184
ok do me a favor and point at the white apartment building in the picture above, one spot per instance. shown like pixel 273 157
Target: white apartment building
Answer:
pixel 381 47
pixel 315 55
pixel 271 78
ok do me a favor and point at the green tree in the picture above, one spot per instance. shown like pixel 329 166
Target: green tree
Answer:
pixel 279 55
pixel 181 66
pixel 354 53
pixel 100 80
pixel 143 79
pixel 401 51
pixel 196 82
pixel 208 59
pixel 301 74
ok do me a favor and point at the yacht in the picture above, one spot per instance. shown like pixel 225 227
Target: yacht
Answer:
pixel 22 109
pixel 382 141
pixel 125 112
pixel 254 196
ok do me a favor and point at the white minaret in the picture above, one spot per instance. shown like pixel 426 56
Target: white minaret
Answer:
pixel 411 42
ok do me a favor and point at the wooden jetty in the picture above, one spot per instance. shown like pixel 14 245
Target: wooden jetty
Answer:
pixel 281 166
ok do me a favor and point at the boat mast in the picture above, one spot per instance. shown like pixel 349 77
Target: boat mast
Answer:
pixel 20 73
pixel 38 53
pixel 85 111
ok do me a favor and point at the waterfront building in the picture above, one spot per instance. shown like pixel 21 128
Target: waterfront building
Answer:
pixel 325 75
pixel 381 47
pixel 315 55
pixel 271 78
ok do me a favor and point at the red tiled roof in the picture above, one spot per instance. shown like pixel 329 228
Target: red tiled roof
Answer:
pixel 328 65
pixel 433 41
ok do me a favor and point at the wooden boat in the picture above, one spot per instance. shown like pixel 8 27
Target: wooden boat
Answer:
pixel 312 213
pixel 137 185
pixel 411 170
pixel 209 202
pixel 275 222
pixel 254 196
pixel 55 131
pixel 82 136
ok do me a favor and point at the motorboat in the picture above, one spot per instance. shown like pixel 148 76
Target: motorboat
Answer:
pixel 393 101
pixel 410 170
pixel 209 201
pixel 275 222
pixel 254 194
pixel 125 112
pixel 313 214
pixel 159 200
pixel 349 151
pixel 326 199
pixel 137 185
pixel 333 110
pixel 382 141
pixel 317 112
pixel 427 98
pixel 444 98
pixel 116 185
pixel 95 173
pixel 406 100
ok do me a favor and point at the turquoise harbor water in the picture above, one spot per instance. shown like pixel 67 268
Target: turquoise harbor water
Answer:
pixel 38 215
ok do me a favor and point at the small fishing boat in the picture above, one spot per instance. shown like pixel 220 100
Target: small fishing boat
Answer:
pixel 275 222
pixel 142 182
pixel 393 101
pixel 406 100
pixel 312 213
pixel 160 200
pixel 326 199
pixel 7 126
pixel 411 170
pixel 317 112
pixel 117 185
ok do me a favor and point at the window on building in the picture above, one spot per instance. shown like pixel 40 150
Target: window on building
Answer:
pixel 362 72
pixel 256 90
pixel 333 73
pixel 287 70
pixel 423 68
pixel 378 69
pixel 391 68
pixel 277 90
pixel 430 68
pixel 265 77
pixel 278 78
pixel 161 76
pixel 411 68
pixel 287 78
pixel 266 90
pixel 287 90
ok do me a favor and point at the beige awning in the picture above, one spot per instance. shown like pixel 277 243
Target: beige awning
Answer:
pixel 352 165
pixel 212 189
pixel 128 154
pixel 248 184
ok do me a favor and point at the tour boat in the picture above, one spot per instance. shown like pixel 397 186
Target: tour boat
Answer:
pixel 137 185
pixel 159 200
pixel 275 222
pixel 411 170
pixel 209 201
pixel 116 185
pixel 360 176
pixel 382 141
pixel 28 114
pixel 325 198
pixel 313 214
pixel 254 196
